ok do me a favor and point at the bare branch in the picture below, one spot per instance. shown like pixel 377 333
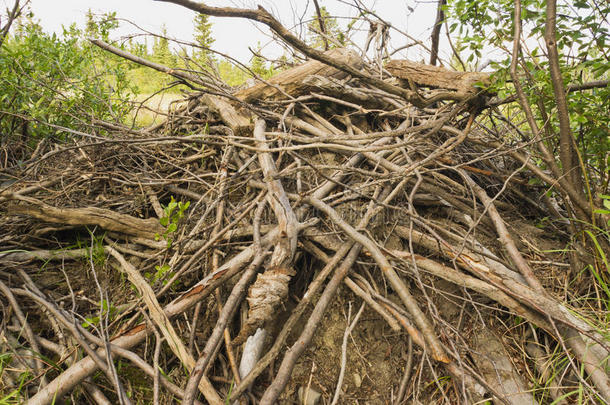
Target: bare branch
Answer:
pixel 436 31
pixel 322 25
pixel 13 14
pixel 568 151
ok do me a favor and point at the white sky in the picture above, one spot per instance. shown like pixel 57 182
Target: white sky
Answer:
pixel 234 36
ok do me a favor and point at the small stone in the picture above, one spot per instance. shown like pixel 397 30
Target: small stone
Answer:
pixel 308 396
pixel 357 380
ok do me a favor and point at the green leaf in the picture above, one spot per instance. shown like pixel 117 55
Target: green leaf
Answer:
pixel 89 322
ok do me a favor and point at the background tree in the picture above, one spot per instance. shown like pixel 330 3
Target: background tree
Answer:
pixel 138 48
pixel 75 86
pixel 231 74
pixel 259 65
pixel 203 38
pixel 559 80
pixel 334 36
pixel 91 28
pixel 161 51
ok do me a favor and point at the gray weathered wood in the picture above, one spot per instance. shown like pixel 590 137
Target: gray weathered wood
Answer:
pixel 290 81
pixel 437 77
pixel 239 122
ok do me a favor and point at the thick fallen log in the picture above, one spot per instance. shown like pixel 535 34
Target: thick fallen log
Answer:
pixel 464 83
pixel 90 216
pixel 340 90
pixel 290 82
pixel 238 121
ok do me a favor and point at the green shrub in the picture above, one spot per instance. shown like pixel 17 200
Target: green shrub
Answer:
pixel 50 82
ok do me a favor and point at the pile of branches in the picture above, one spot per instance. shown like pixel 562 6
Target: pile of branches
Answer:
pixel 333 176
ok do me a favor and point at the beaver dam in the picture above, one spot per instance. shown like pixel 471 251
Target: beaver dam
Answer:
pixel 345 232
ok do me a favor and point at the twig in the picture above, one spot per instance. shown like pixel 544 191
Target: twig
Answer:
pixel 211 346
pixel 420 319
pixel 283 374
pixel 321 22
pixel 348 330
pixel 402 388
pixel 29 334
pixel 79 334
pixel 165 326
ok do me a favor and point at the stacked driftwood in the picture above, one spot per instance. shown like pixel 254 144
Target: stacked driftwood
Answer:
pixel 315 184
